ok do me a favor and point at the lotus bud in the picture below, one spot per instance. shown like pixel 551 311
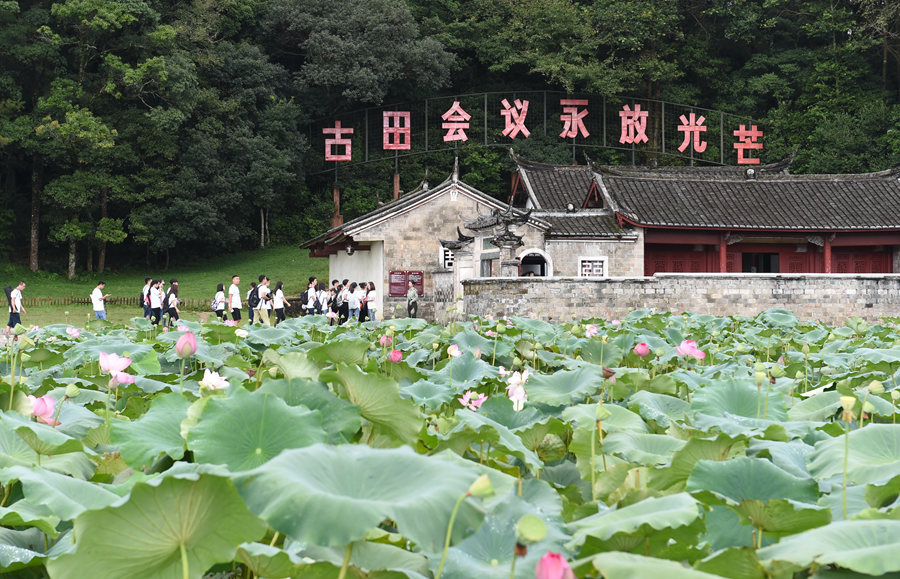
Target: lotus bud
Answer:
pixel 517 361
pixel 760 367
pixel 20 329
pixel 799 375
pixel 604 338
pixel 715 334
pixel 186 346
pixel 868 407
pixel 777 372
pixel 530 529
pixel 435 346
pixel 501 328
pixel 273 371
pixel 537 346
pixel 830 337
pixel 481 488
pixel 805 349
pixel 72 391
pixel 659 353
pixel 761 377
pixel 895 395
pixel 876 387
pixel 847 403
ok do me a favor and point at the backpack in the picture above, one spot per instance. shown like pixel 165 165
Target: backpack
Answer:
pixel 253 300
pixel 165 302
pixel 8 291
pixel 214 304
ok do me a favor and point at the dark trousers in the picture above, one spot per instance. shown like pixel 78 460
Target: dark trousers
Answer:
pixel 412 308
pixel 221 314
pixel 343 312
pixel 279 315
pixel 155 315
pixel 236 314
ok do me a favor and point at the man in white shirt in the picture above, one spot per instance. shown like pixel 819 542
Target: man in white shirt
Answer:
pixel 15 307
pixel 262 309
pixel 145 297
pixel 98 300
pixel 234 298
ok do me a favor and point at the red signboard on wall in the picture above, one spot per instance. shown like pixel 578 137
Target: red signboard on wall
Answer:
pixel 398 280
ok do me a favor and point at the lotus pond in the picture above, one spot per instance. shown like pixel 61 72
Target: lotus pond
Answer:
pixel 655 445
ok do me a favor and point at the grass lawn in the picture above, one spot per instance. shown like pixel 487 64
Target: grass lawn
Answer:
pixel 196 281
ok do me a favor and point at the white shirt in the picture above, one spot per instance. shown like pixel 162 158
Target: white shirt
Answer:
pixel 278 300
pixel 220 301
pixel 97 299
pixel 173 301
pixel 155 298
pixel 353 300
pixel 16 299
pixel 310 297
pixel 322 296
pixel 235 295
pixel 144 293
pixel 263 291
pixel 370 301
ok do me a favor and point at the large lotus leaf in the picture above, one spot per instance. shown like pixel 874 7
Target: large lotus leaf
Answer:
pixel 340 419
pixel 25 514
pixel 158 528
pixel 470 340
pixel 782 516
pixel 792 456
pixel 20 549
pixel 368 559
pixel 651 514
pixel 44 439
pixel 602 354
pixel 293 364
pixel 616 565
pixel 426 393
pixel 642 448
pixel 42 358
pixel 816 408
pixel 874 455
pixel 66 497
pixel 268 561
pixel 379 402
pixel 14 451
pixel 158 431
pixel 883 495
pixel 343 351
pixel 267 336
pixel 148 364
pixel 750 478
pixel 499 409
pixel 88 351
pixel 736 425
pixel 488 553
pixel 739 397
pixel 878 357
pixel 331 495
pixel 659 408
pixel 868 547
pixel 247 429
pixel 76 421
pixel 564 388
pixel 464 373
pixel 217 333
pixel 585 416
pixel 734 563
pixel 537 329
pixel 779 318
pixel 723 447
pixel 475 427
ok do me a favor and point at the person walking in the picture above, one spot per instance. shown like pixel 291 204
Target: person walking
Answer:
pixel 352 302
pixel 234 298
pixel 264 305
pixel 156 298
pixel 344 310
pixel 145 297
pixel 98 300
pixel 363 302
pixel 15 308
pixel 250 292
pixel 311 290
pixel 412 300
pixel 372 302
pixel 279 301
pixel 172 302
pixel 220 302
pixel 322 299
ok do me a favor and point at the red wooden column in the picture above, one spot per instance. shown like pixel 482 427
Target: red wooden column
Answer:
pixel 723 253
pixel 827 253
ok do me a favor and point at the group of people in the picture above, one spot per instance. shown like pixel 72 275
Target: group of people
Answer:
pixel 344 300
pixel 262 300
pixel 156 301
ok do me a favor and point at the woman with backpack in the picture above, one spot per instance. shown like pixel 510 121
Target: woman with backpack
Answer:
pixel 279 301
pixel 219 302
pixel 171 302
pixel 156 299
pixel 363 302
pixel 321 298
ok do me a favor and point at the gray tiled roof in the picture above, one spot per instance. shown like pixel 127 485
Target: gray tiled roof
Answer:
pixel 772 201
pixel 582 224
pixel 555 186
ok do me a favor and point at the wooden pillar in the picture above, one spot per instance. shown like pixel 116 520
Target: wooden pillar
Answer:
pixel 396 186
pixel 827 253
pixel 723 253
pixel 337 219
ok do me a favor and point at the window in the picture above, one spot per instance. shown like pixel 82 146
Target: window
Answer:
pixel 447 258
pixel 592 266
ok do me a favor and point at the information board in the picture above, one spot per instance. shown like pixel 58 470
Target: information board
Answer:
pixel 398 280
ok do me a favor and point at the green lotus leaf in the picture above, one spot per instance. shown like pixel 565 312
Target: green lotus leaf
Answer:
pixel 247 429
pixel 160 529
pixel 750 478
pixel 156 432
pixel 268 561
pixel 467 372
pixel 88 351
pixel 816 408
pixel 369 559
pixel 868 547
pixel 20 549
pixel 42 438
pixel 791 456
pixel 659 408
pixel 478 427
pixel 293 364
pixel 342 351
pixel 740 398
pixel 563 388
pixel 14 451
pixel 734 563
pixel 723 447
pixel 601 354
pixel 782 516
pixel 537 329
pixel 470 340
pixel 267 336
pixel 66 497
pixel 585 416
pixel 340 419
pixel 642 448
pixel 617 565
pixel 653 513
pixel 148 364
pixel 332 495
pixel 379 402
pixel 874 455
pixel 779 318
pixel 42 358
pixel 426 393
pixel 25 514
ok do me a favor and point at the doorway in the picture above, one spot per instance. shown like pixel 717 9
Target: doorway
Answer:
pixel 760 263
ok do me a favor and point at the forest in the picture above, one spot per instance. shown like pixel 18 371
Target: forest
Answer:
pixel 149 131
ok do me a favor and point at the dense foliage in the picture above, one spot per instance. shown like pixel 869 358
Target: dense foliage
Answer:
pixel 659 445
pixel 179 127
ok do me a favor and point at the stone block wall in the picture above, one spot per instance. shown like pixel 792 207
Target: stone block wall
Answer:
pixel 831 298
pixel 625 257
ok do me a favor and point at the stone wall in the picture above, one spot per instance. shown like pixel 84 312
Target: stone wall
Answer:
pixel 624 257
pixel 830 298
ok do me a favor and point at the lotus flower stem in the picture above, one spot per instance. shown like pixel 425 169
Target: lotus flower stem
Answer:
pixel 346 564
pixel 512 567
pixel 185 572
pixel 494 355
pixel 12 374
pixel 844 482
pixel 58 410
pixel 449 533
pixel 451 373
pixel 593 463
pixel 766 404
pixel 274 539
pixel 181 377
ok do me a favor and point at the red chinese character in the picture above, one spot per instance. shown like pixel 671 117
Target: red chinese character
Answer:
pixel 571 118
pixel 338 141
pixel 396 131
pixel 693 125
pixel 634 125
pixel 747 139
pixel 515 118
pixel 458 122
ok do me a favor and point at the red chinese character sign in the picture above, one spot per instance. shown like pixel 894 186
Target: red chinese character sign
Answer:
pixel 515 118
pixel 396 134
pixel 456 121
pixel 572 118
pixel 692 125
pixel 634 125
pixel 747 140
pixel 338 141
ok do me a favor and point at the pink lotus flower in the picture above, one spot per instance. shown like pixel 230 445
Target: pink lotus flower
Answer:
pixel 453 351
pixel 477 352
pixel 73 332
pixel 490 333
pixel 43 409
pixel 642 349
pixel 515 389
pixel 330 315
pixel 553 566
pixel 385 340
pixel 165 329
pixel 590 331
pixel 230 323
pixel 502 371
pixel 395 356
pixel 472 400
pixel 114 365
pixel 615 323
pixel 213 380
pixel 186 346
pixel 689 348
pixel 475 326
pixel 182 328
